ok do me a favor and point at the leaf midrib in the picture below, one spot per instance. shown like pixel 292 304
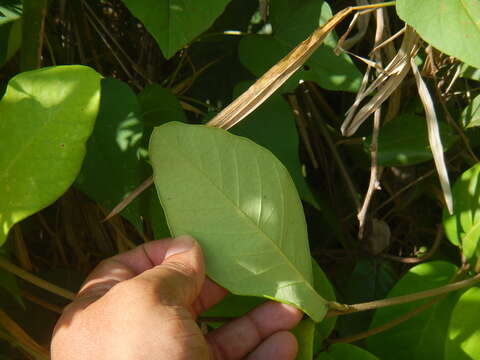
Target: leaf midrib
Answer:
pixel 252 223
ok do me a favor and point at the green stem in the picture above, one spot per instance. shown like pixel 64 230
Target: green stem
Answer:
pixel 33 22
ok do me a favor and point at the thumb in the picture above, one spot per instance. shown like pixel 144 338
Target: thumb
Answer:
pixel 177 281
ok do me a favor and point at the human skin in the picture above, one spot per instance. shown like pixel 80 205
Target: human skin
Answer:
pixel 143 305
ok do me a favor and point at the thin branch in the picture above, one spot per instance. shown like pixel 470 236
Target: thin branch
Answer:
pixel 343 309
pixel 33 24
pixel 25 275
pixel 387 325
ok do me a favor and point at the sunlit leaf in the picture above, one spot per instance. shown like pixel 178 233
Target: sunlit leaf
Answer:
pixel 293 22
pixel 449 25
pixel 423 336
pixel 463 227
pixel 239 201
pixel 471 114
pixel 463 342
pixel 47 117
pixel 174 23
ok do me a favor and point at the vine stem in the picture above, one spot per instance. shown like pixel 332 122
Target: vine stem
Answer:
pixel 25 275
pixel 337 309
pixel 34 12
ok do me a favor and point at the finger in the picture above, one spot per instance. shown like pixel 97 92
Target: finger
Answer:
pixel 241 336
pixel 177 281
pixel 280 346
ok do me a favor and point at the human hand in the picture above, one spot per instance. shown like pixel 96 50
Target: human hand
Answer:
pixel 142 305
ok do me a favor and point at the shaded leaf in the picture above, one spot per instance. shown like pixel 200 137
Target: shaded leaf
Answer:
pixel 404 141
pixel 304 332
pixel 471 114
pixel 292 22
pixel 10 29
pixel 346 352
pixel 463 340
pixel 174 23
pixel 371 279
pixel 238 200
pixel 463 227
pixel 47 117
pixel 423 336
pixel 113 166
pixel 449 25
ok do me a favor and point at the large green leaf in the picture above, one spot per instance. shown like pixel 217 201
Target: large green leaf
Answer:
pixel 424 335
pixel 292 22
pixel 239 201
pixel 174 23
pixel 463 226
pixel 10 29
pixel 346 352
pixel 463 342
pixel 404 141
pixel 113 166
pixel 47 117
pixel 471 114
pixel 451 26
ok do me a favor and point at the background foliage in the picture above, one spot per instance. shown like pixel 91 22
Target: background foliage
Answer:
pixel 74 143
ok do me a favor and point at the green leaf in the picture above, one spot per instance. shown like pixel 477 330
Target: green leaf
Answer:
pixel 463 226
pixel 471 114
pixel 175 23
pixel 463 340
pixel 423 336
pixel 304 332
pixel 404 141
pixel 47 117
pixel 113 166
pixel 292 22
pixel 346 352
pixel 451 26
pixel 469 72
pixel 10 29
pixel 239 201
pixel 371 279
pixel 283 143
pixel 324 287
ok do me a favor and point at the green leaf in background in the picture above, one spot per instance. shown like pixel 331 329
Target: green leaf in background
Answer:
pixel 325 288
pixel 47 117
pixel 239 201
pixel 113 166
pixel 159 106
pixel 304 332
pixel 174 23
pixel 371 279
pixel 471 114
pixel 463 227
pixel 463 342
pixel 292 22
pixel 423 336
pixel 451 26
pixel 469 72
pixel 10 29
pixel 404 141
pixel 346 352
